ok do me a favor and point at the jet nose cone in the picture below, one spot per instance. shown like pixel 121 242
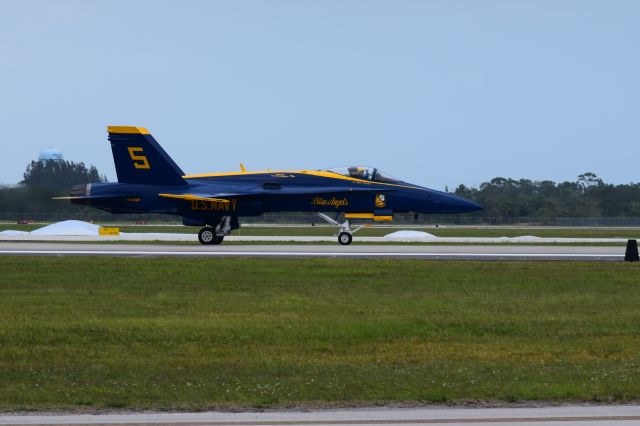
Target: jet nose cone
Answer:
pixel 461 205
pixel 472 206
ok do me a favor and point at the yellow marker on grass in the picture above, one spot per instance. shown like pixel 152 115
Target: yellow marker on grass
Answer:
pixel 108 232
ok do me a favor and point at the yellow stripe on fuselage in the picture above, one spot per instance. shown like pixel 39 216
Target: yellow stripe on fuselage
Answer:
pixel 319 173
pixel 128 130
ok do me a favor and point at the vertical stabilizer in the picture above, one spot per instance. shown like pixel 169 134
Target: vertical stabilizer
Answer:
pixel 140 159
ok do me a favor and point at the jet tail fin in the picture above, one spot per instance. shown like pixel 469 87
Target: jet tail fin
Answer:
pixel 140 159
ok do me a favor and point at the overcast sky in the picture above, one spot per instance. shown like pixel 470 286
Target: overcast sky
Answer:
pixel 434 92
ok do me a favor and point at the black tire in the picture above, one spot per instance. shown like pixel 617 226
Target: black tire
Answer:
pixel 207 235
pixel 345 238
pixel 218 239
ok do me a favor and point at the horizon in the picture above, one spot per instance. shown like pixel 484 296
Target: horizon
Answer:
pixel 439 93
pixel 450 189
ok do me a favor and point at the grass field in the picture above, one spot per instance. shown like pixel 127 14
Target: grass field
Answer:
pixel 381 231
pixel 189 334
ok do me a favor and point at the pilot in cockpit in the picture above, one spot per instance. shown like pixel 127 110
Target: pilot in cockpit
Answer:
pixel 360 172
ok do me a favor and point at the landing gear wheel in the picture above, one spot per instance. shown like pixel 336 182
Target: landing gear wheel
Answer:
pixel 207 235
pixel 218 239
pixel 345 238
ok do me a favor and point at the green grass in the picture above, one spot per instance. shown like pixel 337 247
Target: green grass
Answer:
pixel 16 227
pixel 167 333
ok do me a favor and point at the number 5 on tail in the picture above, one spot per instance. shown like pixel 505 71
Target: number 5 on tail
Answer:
pixel 139 161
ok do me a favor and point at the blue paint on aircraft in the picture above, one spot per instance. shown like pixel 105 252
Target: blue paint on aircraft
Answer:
pixel 149 181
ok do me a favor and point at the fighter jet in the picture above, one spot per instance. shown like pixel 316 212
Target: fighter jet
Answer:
pixel 149 181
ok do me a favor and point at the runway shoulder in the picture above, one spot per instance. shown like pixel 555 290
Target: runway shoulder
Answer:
pixel 470 252
pixel 547 416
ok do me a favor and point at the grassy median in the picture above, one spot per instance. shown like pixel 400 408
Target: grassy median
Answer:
pixel 169 333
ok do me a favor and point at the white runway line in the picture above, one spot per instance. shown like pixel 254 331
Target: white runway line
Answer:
pixel 544 416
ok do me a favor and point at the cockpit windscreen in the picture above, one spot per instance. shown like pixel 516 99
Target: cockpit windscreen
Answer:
pixel 366 173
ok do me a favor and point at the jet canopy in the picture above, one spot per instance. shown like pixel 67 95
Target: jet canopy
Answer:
pixel 366 173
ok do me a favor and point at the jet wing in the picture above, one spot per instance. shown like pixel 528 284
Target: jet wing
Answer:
pixel 223 197
pixel 312 190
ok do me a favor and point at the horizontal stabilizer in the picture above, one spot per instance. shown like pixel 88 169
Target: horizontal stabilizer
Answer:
pixel 87 197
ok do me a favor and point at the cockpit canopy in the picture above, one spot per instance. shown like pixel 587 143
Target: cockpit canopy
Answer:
pixel 366 173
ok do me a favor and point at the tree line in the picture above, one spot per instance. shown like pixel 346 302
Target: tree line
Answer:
pixel 43 180
pixel 588 196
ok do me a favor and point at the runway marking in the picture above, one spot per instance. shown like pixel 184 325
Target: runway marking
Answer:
pixel 594 256
pixel 356 422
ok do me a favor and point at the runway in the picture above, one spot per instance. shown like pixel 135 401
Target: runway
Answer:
pixel 463 252
pixel 615 415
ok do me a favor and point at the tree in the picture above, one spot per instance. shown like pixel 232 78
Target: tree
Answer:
pixel 44 180
pixel 588 196
pixel 60 175
pixel 589 180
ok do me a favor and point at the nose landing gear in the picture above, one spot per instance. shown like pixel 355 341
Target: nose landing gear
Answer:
pixel 345 235
pixel 345 238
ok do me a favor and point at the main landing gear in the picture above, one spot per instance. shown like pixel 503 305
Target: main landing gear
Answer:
pixel 207 235
pixel 210 235
pixel 345 235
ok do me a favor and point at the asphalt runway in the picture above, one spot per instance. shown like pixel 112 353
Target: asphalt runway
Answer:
pixel 406 251
pixel 615 415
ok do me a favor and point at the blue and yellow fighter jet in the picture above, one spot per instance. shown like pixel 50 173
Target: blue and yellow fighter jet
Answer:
pixel 149 181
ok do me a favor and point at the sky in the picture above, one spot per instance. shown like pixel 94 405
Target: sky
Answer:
pixel 437 93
